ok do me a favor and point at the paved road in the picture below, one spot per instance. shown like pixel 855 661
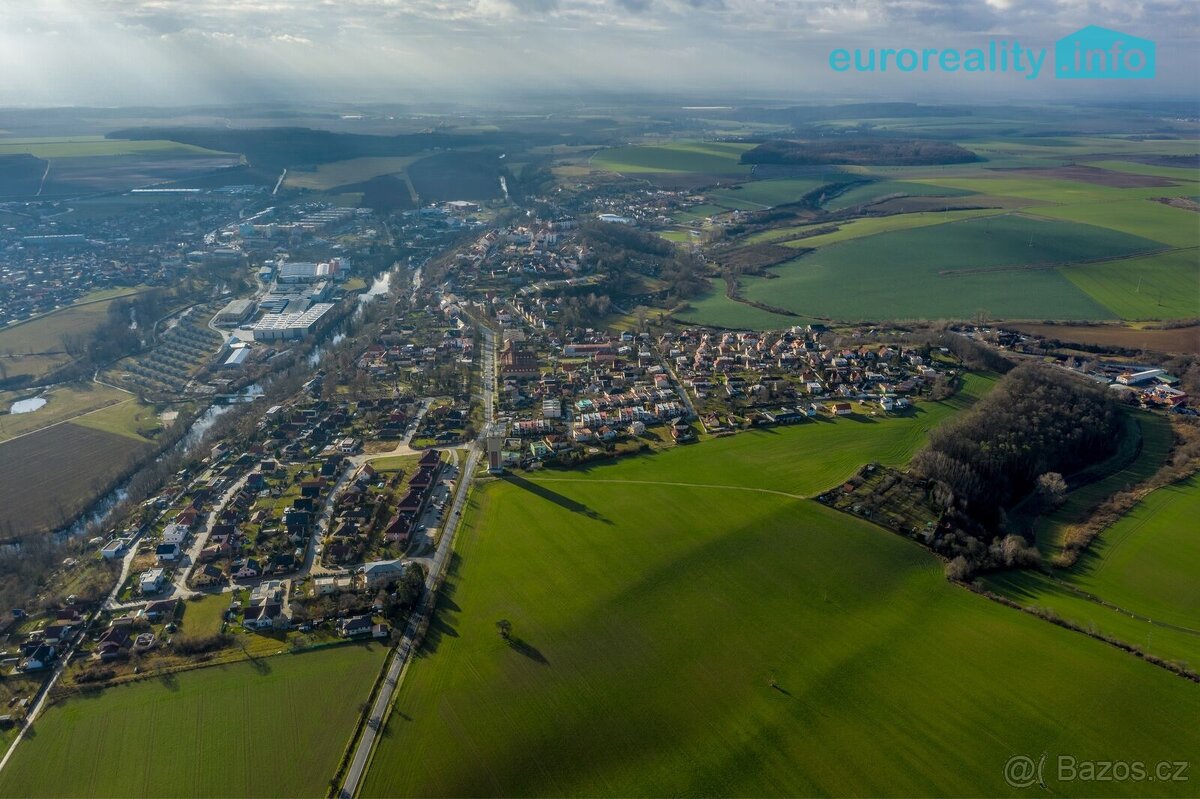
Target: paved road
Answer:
pixel 420 617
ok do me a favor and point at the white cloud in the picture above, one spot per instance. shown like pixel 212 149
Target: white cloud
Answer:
pixel 111 51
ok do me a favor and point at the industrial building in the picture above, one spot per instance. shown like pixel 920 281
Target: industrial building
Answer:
pixel 284 326
pixel 236 312
pixel 307 272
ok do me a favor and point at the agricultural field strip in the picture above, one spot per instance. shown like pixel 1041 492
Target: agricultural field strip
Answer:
pixel 1102 602
pixel 66 421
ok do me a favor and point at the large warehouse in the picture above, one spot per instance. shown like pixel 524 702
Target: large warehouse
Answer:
pixel 283 326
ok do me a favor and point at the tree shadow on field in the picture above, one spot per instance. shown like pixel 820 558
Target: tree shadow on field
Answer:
pixel 259 664
pixel 523 647
pixel 170 681
pixel 438 628
pixel 558 499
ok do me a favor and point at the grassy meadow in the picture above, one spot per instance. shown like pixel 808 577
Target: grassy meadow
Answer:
pixel 694 640
pixel 273 727
pixel 949 271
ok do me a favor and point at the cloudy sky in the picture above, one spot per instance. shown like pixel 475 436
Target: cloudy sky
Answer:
pixel 108 52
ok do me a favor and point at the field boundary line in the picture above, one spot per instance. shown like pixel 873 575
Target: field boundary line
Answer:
pixel 667 483
pixel 1104 603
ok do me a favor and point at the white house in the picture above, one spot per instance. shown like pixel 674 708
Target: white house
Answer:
pixel 151 581
pixel 175 533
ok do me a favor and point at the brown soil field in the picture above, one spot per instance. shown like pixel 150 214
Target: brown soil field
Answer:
pixel 1173 340
pixel 49 477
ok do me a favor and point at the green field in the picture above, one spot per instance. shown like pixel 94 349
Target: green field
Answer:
pixel 698 213
pixel 1159 286
pixel 719 158
pixel 1044 592
pixel 1149 561
pixel 698 640
pixel 870 192
pixel 1177 227
pixel 871 225
pixel 274 727
pixel 762 194
pixel 716 309
pixel 774 460
pixel 949 271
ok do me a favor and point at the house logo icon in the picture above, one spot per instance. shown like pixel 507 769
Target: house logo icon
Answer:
pixel 1099 53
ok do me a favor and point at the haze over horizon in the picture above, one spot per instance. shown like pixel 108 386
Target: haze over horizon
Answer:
pixel 171 52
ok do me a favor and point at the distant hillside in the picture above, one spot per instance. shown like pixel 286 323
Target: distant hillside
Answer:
pixel 458 176
pixel 20 175
pixel 802 114
pixel 276 148
pixel 864 152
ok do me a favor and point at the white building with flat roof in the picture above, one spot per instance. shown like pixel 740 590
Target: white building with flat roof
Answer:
pixel 284 326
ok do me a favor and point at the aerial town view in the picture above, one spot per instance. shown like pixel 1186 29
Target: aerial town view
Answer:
pixel 599 398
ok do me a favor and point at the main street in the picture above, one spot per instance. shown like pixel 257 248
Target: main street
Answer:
pixel 419 620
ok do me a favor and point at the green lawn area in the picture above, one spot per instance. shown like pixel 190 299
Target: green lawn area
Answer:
pixel 949 271
pixel 1149 561
pixel 719 158
pixel 275 727
pixel 693 641
pixel 204 616
pixel 392 463
pixel 1159 286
